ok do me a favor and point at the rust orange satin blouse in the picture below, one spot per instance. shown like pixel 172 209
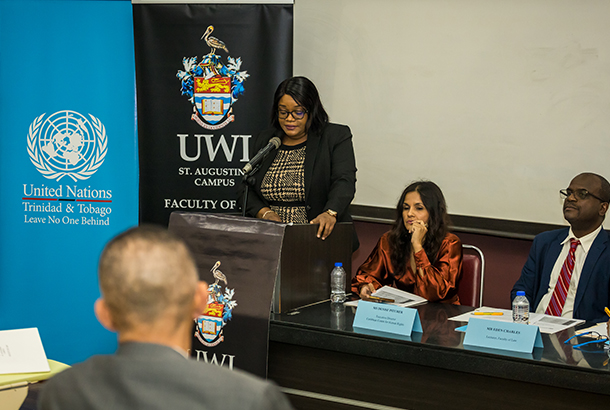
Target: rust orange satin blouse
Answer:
pixel 438 283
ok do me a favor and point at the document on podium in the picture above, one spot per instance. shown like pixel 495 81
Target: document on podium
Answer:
pixel 399 297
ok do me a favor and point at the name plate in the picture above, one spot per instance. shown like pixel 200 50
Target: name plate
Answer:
pixel 387 318
pixel 516 337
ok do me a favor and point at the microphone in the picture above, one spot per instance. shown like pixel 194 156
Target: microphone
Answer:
pixel 273 143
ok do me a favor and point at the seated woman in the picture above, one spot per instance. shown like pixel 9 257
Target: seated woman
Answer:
pixel 418 255
pixel 311 178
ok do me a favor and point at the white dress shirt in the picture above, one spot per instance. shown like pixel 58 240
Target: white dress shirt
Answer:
pixel 580 256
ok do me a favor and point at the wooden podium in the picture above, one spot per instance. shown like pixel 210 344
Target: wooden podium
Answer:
pixel 306 263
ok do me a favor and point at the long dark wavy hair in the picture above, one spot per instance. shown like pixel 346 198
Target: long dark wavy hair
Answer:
pixel 438 226
pixel 305 93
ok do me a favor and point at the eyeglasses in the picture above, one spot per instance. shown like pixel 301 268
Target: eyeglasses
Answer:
pixel 578 194
pixel 598 341
pixel 297 115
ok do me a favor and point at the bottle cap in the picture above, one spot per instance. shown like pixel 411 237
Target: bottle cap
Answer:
pixel 338 264
pixel 520 293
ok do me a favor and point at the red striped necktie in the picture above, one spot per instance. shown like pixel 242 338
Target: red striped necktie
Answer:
pixel 563 282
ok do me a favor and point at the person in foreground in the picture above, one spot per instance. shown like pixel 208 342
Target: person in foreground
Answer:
pixel 311 178
pixel 418 255
pixel 567 272
pixel 150 295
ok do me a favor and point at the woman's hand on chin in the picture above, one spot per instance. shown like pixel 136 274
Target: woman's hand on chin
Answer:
pixel 418 231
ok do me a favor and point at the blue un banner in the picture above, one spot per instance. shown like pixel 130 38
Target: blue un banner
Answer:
pixel 69 171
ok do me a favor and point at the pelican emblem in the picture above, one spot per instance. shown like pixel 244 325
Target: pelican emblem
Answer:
pixel 213 42
pixel 218 275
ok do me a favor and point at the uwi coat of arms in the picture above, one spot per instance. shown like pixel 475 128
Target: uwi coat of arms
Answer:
pixel 218 311
pixel 212 86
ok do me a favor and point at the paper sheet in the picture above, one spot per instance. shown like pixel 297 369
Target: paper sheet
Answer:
pixel 401 298
pixel 547 324
pixel 21 351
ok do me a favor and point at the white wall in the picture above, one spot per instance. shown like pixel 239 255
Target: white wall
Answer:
pixel 500 102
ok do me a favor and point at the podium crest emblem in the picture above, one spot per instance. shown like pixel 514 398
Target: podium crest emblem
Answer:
pixel 218 312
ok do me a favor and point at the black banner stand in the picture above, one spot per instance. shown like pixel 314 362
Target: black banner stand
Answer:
pixel 240 258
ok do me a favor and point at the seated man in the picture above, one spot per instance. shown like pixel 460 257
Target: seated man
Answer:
pixel 150 295
pixel 568 270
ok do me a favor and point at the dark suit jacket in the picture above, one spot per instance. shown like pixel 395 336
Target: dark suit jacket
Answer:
pixel 150 376
pixel 593 293
pixel 330 172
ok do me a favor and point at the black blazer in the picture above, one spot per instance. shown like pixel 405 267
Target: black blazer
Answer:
pixel 330 172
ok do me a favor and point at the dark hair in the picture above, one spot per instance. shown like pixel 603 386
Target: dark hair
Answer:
pixel 304 92
pixel 438 226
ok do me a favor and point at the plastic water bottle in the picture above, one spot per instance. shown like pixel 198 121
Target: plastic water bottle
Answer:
pixel 521 308
pixel 337 283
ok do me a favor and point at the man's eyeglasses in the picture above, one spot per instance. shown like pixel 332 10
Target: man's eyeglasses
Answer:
pixel 578 194
pixel 597 341
pixel 297 115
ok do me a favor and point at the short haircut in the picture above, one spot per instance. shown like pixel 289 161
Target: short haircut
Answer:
pixel 304 93
pixel 146 273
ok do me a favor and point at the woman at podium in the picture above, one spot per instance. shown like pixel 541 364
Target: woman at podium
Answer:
pixel 418 254
pixel 311 177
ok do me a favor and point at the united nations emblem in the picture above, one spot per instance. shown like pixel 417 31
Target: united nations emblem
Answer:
pixel 212 86
pixel 218 311
pixel 67 143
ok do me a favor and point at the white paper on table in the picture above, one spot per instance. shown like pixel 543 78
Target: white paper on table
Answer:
pixel 552 324
pixel 546 324
pixel 400 297
pixel 21 351
pixel 507 315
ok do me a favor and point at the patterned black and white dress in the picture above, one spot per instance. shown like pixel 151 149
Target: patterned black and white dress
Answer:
pixel 284 184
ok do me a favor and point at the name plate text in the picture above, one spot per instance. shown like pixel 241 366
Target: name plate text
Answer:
pixel 516 337
pixel 387 318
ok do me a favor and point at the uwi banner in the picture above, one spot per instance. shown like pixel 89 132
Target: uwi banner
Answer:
pixel 69 176
pixel 239 258
pixel 206 75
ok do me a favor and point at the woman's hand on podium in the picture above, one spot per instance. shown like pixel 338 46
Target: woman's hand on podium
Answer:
pixel 327 224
